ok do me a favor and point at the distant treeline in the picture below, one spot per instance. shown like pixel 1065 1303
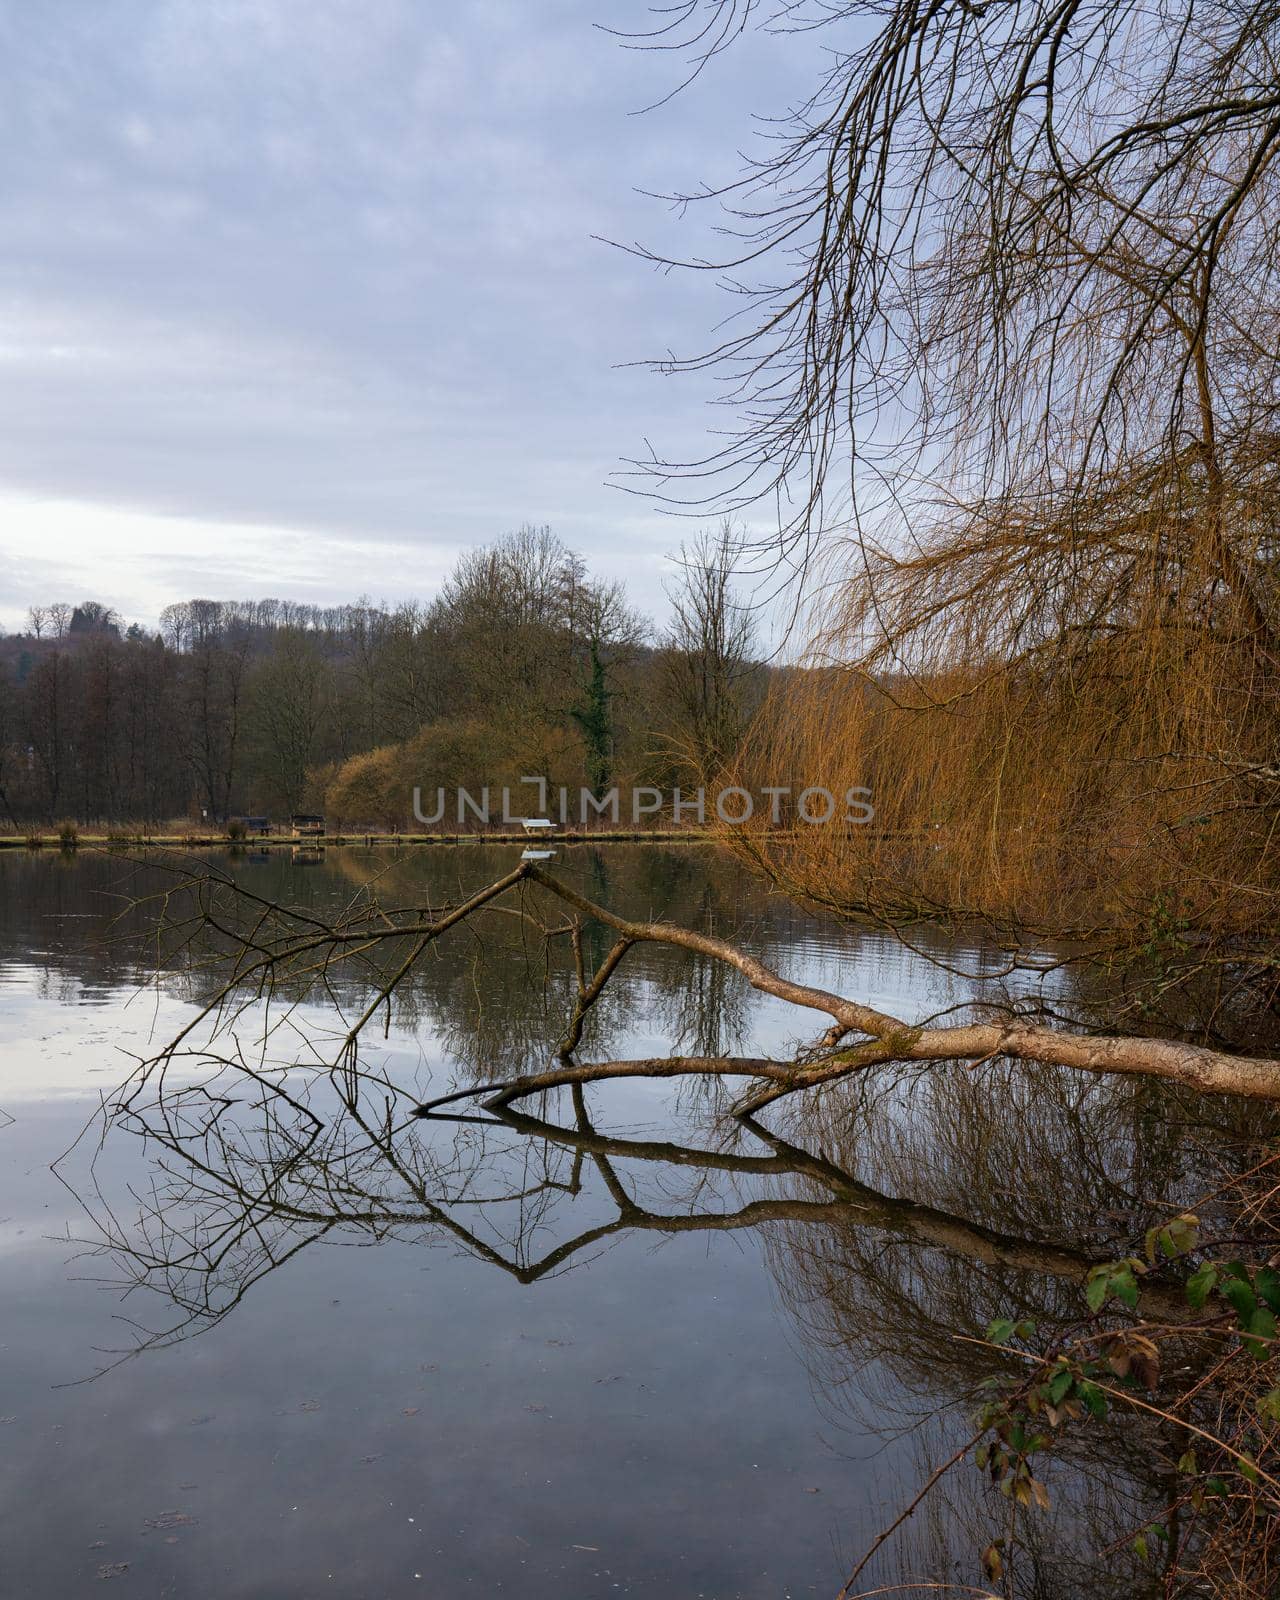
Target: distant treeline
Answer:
pixel 523 663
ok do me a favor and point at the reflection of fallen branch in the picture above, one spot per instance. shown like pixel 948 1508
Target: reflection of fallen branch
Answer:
pixel 241 1185
pixel 256 1162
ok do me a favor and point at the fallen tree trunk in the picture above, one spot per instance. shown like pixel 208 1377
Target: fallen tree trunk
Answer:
pixel 284 945
pixel 889 1038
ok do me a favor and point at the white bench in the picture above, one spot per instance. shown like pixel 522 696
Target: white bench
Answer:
pixel 538 824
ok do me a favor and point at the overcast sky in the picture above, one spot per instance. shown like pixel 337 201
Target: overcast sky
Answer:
pixel 300 297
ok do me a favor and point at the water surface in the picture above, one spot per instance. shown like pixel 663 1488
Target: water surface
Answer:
pixel 616 1344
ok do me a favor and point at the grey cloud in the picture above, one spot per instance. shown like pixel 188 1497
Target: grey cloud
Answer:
pixel 328 264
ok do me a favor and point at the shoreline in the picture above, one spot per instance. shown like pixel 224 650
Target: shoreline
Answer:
pixel 370 841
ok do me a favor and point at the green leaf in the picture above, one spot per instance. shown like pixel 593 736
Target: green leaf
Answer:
pixel 1269 1404
pixel 1247 1469
pixel 1001 1330
pixel 1262 1325
pixel 1113 1277
pixel 1241 1297
pixel 1153 1530
pixel 1200 1285
pixel 1187 1461
pixel 1266 1282
pixel 1060 1386
pixel 1124 1286
pixel 1094 1398
pixel 1180 1236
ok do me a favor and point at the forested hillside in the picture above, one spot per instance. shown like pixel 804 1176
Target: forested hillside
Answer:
pixel 523 663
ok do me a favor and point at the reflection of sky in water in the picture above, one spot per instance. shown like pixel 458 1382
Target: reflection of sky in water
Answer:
pixel 498 1000
pixel 400 1420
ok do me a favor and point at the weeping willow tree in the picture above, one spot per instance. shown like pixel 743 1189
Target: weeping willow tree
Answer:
pixel 1063 713
pixel 1005 355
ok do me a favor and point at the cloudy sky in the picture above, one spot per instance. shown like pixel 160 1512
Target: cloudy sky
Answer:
pixel 300 297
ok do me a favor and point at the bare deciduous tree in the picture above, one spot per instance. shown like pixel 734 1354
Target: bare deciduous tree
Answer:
pixel 706 662
pixel 1007 352
pixel 1008 245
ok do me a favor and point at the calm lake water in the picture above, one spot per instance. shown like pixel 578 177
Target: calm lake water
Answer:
pixel 271 1336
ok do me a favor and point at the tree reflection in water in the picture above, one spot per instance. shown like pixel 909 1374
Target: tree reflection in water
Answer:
pixel 898 1213
pixel 898 1210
